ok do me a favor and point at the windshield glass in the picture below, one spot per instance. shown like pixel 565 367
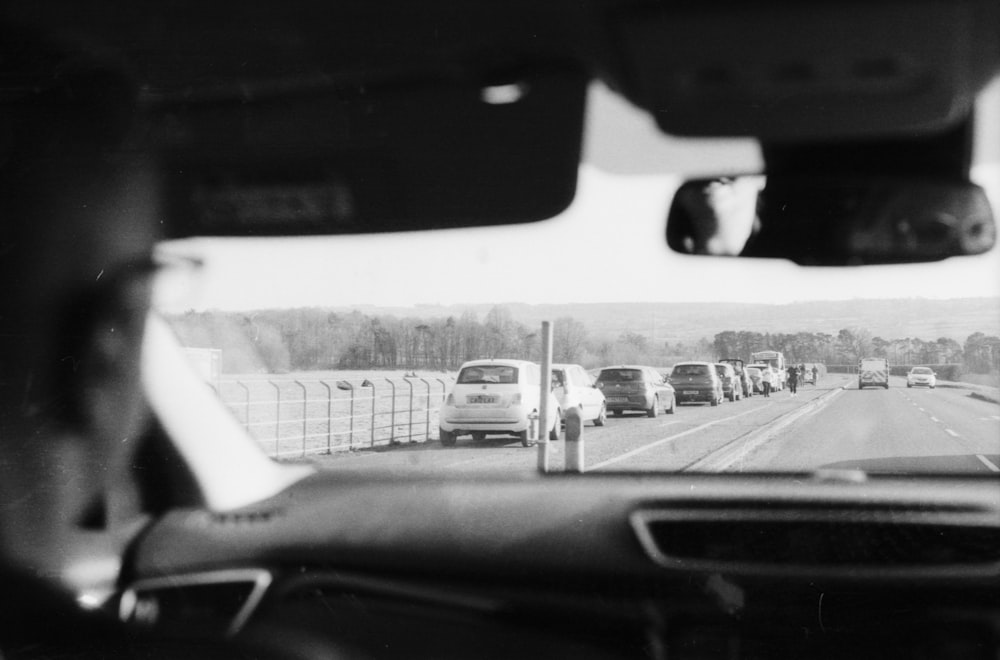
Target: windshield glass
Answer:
pixel 326 346
pixel 692 370
pixel 922 370
pixel 620 375
pixel 487 374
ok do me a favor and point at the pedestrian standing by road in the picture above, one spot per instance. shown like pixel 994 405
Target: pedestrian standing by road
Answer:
pixel 793 380
pixel 766 378
pixel 815 375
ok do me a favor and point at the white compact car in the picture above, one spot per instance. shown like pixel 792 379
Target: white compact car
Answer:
pixel 575 387
pixel 923 376
pixel 495 397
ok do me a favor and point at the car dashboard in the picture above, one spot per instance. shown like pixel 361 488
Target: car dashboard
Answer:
pixel 590 566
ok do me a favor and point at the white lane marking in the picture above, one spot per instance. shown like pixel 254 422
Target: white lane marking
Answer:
pixel 951 433
pixel 920 409
pixel 934 419
pixel 657 443
pixel 988 463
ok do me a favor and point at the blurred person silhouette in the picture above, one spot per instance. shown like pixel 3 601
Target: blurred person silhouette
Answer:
pixel 715 217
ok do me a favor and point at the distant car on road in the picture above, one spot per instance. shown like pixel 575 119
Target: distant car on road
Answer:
pixel 921 376
pixel 495 397
pixel 575 387
pixel 636 387
pixel 732 386
pixel 756 377
pixel 696 382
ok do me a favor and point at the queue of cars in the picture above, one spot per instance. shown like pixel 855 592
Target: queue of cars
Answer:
pixel 499 396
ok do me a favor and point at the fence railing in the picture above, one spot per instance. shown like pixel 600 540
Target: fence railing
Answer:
pixel 299 416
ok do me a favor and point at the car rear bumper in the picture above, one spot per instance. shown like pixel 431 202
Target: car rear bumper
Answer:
pixel 509 420
pixel 628 402
pixel 694 394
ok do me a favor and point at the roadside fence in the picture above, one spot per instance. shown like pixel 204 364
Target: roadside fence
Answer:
pixel 299 416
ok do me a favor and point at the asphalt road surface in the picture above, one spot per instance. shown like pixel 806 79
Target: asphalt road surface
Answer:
pixel 829 426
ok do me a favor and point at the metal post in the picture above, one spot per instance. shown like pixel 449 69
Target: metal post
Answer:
pixel 409 427
pixel 372 387
pixel 277 419
pixel 329 414
pixel 246 392
pixel 574 440
pixel 545 389
pixel 392 414
pixel 305 414
pixel 350 438
pixel 427 410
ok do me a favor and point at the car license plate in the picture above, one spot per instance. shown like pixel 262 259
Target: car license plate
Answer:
pixel 618 399
pixel 481 398
pixel 690 392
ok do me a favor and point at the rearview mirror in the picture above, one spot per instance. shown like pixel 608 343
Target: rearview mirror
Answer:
pixel 831 221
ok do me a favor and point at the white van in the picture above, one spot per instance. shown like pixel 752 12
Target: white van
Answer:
pixel 495 397
pixel 873 372
pixel 575 387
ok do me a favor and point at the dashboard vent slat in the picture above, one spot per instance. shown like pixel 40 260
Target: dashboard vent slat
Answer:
pixel 837 539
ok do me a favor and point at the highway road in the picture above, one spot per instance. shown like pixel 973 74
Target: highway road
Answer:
pixel 831 426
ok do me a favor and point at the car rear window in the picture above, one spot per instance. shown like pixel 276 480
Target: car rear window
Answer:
pixel 487 374
pixel 620 375
pixel 690 370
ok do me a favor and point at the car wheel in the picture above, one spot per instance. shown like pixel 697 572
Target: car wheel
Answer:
pixel 447 438
pixel 933 386
pixel 616 413
pixel 523 437
pixel 654 410
pixel 715 401
pixel 673 406
pixel 732 395
pixel 908 385
pixel 601 417
pixel 478 436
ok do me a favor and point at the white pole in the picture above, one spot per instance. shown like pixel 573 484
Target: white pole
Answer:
pixel 543 399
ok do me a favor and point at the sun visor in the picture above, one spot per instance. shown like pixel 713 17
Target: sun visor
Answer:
pixel 433 153
pixel 800 71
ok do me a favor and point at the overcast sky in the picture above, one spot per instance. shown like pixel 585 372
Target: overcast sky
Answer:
pixel 608 246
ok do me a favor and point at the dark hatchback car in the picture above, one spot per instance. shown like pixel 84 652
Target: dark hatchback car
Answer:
pixel 696 382
pixel 632 387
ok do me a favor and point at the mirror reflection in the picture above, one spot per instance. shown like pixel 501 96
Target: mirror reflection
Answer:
pixel 831 221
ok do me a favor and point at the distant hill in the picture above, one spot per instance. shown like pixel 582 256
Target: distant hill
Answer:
pixel 895 318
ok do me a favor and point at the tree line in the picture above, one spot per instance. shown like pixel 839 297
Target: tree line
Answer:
pixel 311 339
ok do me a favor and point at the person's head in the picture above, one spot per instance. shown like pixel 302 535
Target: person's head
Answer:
pixel 79 218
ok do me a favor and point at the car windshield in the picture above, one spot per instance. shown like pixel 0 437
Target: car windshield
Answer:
pixel 487 374
pixel 289 330
pixel 692 370
pixel 922 370
pixel 620 375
